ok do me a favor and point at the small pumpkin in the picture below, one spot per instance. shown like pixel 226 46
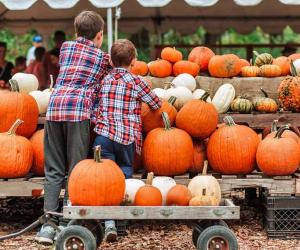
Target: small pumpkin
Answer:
pixel 199 157
pixel 289 132
pixel 270 70
pixel 37 142
pixel 171 54
pixel 131 187
pixel 198 118
pixel 277 155
pixel 262 59
pixel 223 97
pixel 162 92
pixel 198 93
pixel 284 63
pixel 178 195
pixel 224 66
pixel 140 68
pixel 167 151
pixel 182 94
pixel 250 71
pixel 265 104
pixel 204 200
pixel 185 80
pixel 188 67
pixel 26 82
pixel 201 55
pixel 160 68
pixel 148 195
pixel 164 184
pixel 241 105
pixel 96 182
pixel 16 153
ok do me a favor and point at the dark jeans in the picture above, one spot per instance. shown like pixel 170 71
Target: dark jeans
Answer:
pixel 123 155
pixel 65 144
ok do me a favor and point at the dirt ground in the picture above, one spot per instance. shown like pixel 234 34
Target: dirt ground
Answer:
pixel 15 214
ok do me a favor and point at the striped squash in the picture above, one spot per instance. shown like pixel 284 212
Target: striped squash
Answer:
pixel 241 105
pixel 262 59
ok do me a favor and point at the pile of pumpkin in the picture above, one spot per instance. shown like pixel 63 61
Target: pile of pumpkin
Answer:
pixel 203 59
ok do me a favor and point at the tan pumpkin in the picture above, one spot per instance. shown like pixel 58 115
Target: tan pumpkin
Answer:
pixel 204 200
pixel 171 54
pixel 270 70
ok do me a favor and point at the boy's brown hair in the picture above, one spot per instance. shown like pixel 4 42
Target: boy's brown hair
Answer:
pixel 87 24
pixel 122 53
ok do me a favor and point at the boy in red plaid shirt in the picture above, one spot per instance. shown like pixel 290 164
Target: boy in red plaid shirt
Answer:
pixel 118 118
pixel 82 66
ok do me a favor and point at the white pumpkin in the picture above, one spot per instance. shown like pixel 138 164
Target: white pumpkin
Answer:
pixel 42 100
pixel 297 67
pixel 207 182
pixel 198 93
pixel 164 184
pixel 185 80
pixel 223 98
pixel 161 93
pixel 182 94
pixel 131 187
pixel 26 82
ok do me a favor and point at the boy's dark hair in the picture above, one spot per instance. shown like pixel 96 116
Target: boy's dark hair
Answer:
pixel 20 60
pixel 122 52
pixel 39 53
pixel 59 36
pixel 87 24
pixel 55 52
pixel 3 45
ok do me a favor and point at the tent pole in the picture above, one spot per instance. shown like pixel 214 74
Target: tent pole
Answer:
pixel 109 28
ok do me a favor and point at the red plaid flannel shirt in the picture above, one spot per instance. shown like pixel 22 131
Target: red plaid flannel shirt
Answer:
pixel 119 112
pixel 82 67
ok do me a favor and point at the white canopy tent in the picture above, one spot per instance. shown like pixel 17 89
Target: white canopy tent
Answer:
pixel 216 16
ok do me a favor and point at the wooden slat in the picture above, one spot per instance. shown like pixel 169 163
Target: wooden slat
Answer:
pixel 18 188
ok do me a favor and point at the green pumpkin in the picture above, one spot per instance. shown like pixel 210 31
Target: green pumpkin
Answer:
pixel 262 59
pixel 241 105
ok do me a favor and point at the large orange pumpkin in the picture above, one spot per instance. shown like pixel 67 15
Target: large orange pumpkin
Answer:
pixel 284 63
pixel 140 68
pixel 198 118
pixel 37 142
pixel 167 151
pixel 232 148
pixel 15 105
pixel 160 68
pixel 171 54
pixel 148 195
pixel 277 155
pixel 224 66
pixel 15 154
pixel 179 195
pixel 199 157
pixel 152 119
pixel 201 56
pixel 96 182
pixel 183 66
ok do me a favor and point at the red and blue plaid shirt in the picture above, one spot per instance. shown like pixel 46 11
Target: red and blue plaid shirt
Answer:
pixel 118 116
pixel 82 67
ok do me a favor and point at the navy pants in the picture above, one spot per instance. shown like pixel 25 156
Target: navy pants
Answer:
pixel 123 155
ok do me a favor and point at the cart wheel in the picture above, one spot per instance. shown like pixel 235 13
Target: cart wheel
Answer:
pixel 217 238
pixel 203 224
pixel 75 237
pixel 93 225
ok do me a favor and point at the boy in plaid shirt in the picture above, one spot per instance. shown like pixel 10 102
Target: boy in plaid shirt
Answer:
pixel 82 66
pixel 118 117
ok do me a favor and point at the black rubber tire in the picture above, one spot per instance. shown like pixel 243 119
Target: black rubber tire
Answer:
pixel 78 232
pixel 203 224
pixel 93 225
pixel 217 231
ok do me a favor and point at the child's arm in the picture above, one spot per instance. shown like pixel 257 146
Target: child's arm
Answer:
pixel 148 96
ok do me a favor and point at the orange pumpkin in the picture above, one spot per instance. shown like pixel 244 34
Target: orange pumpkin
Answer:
pixel 250 71
pixel 37 142
pixel 294 56
pixel 16 153
pixel 171 54
pixel 270 70
pixel 152 119
pixel 179 195
pixel 167 151
pixel 96 182
pixel 286 133
pixel 148 195
pixel 15 105
pixel 186 67
pixel 244 62
pixel 199 157
pixel 224 66
pixel 140 68
pixel 284 63
pixel 160 68
pixel 232 148
pixel 201 56
pixel 277 155
pixel 198 118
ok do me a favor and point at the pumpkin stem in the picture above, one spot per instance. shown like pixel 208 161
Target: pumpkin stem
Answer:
pixel 229 121
pixel 264 92
pixel 14 85
pixel 204 191
pixel 14 127
pixel 255 53
pixel 166 120
pixel 172 100
pixel 274 126
pixel 149 178
pixel 97 153
pixel 204 96
pixel 280 131
pixel 51 82
pixel 251 62
pixel 204 171
pixel 293 69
